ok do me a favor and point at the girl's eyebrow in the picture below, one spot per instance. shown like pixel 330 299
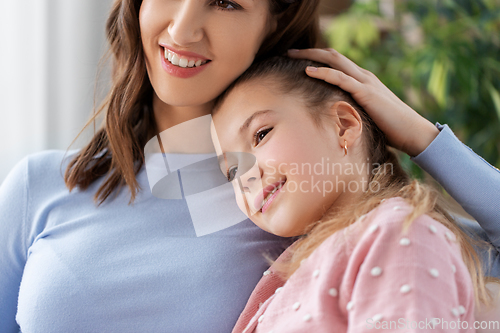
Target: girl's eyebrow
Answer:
pixel 249 120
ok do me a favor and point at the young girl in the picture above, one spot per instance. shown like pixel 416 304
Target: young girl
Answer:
pixel 375 250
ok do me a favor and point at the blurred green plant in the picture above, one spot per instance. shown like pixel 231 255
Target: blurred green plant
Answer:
pixel 442 57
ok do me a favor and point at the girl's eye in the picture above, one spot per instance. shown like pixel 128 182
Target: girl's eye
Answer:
pixel 231 173
pixel 260 135
pixel 226 5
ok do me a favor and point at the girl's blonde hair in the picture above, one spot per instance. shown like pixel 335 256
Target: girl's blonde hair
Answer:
pixel 288 77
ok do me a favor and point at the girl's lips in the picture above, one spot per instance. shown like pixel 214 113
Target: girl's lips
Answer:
pixel 259 200
pixel 180 72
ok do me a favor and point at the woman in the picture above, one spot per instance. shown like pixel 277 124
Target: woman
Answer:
pixel 68 264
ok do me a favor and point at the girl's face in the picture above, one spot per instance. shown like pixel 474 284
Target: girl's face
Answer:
pixel 195 48
pixel 290 154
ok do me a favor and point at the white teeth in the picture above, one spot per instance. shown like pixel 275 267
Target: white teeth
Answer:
pixel 183 62
pixel 175 60
pixel 271 193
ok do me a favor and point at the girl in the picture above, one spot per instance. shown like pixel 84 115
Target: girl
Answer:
pixel 129 262
pixel 375 249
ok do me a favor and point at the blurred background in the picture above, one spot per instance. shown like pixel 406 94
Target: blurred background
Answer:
pixel 442 57
pixel 50 50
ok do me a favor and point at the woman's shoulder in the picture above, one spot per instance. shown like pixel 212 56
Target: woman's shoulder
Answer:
pixel 42 170
pixel 49 160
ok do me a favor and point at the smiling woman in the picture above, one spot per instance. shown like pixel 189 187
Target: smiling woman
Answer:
pixel 148 99
pixel 69 264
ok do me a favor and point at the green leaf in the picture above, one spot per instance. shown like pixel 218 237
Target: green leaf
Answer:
pixel 495 96
pixel 437 84
pixel 366 33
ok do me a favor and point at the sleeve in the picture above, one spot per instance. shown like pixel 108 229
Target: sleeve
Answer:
pixel 414 282
pixel 468 178
pixel 13 210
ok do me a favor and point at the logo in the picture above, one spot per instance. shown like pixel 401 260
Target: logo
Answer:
pixel 181 164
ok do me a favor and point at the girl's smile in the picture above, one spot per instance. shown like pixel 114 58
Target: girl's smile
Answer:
pixel 268 195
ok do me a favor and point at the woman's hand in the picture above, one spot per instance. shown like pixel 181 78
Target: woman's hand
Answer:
pixel 405 129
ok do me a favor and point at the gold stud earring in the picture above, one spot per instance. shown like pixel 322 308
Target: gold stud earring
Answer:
pixel 345 148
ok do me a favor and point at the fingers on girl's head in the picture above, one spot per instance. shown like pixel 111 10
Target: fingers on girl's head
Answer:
pixel 335 77
pixel 330 57
pixel 311 54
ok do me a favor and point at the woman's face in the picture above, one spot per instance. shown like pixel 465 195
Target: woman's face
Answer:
pixel 290 181
pixel 195 48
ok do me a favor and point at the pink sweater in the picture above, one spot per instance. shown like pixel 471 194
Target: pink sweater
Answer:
pixel 377 279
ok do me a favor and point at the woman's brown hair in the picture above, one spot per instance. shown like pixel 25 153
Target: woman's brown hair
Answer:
pixel 116 149
pixel 388 179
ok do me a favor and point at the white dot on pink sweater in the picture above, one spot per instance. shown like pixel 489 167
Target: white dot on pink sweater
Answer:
pixel 434 272
pixel 404 242
pixel 405 289
pixel 376 271
pixel 373 228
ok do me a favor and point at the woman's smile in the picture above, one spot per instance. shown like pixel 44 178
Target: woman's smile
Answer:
pixel 194 49
pixel 183 58
pixel 182 64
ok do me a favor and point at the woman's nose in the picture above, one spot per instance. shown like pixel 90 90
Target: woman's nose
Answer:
pixel 186 26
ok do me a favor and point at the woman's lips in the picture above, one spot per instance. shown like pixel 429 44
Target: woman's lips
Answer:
pixel 182 64
pixel 186 54
pixel 259 200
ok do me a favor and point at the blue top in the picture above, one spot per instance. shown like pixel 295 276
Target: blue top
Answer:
pixel 69 266
pixel 116 268
pixel 472 182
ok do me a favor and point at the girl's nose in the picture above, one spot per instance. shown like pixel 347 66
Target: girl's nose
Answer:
pixel 251 180
pixel 186 26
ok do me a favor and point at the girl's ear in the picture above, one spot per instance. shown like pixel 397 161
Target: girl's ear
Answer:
pixel 348 123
